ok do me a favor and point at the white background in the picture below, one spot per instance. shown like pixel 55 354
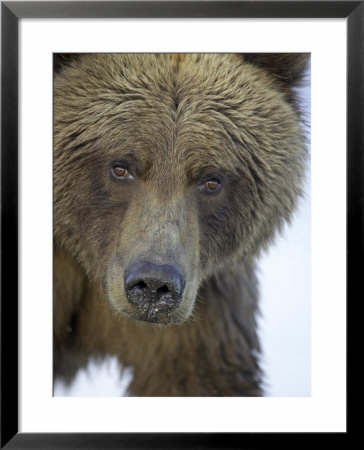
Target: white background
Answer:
pixel 285 341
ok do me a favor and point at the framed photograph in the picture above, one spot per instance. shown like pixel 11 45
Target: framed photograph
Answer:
pixel 181 191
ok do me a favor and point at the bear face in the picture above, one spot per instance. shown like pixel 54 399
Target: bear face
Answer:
pixel 169 169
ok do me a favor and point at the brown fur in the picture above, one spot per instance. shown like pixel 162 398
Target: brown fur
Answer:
pixel 175 120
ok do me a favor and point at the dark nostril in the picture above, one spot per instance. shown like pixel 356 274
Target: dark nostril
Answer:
pixel 141 285
pixel 163 290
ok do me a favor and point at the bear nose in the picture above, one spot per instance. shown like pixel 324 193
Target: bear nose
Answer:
pixel 155 288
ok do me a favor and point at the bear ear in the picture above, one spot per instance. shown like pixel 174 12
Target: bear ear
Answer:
pixel 62 59
pixel 287 68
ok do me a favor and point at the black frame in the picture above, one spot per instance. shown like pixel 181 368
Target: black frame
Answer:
pixel 11 12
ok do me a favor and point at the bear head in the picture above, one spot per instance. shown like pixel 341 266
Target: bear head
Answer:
pixel 170 169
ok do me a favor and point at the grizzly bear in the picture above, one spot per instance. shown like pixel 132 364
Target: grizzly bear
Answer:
pixel 171 174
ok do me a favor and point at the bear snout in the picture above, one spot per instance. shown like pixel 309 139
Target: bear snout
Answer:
pixel 154 289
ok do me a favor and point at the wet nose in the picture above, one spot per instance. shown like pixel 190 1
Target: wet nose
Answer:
pixel 149 285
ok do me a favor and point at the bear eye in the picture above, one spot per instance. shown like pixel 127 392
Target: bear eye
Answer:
pixel 121 173
pixel 211 186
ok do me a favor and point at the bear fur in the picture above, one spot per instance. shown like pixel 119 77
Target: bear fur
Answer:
pixel 209 155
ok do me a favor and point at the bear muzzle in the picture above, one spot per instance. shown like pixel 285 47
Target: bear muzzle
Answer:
pixel 153 289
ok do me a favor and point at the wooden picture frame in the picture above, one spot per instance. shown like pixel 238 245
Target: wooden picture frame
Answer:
pixel 11 12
